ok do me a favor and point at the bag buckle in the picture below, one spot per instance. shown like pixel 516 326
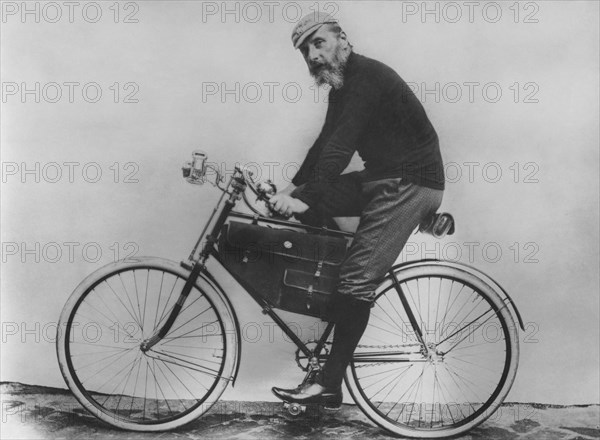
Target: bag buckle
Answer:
pixel 309 296
pixel 319 267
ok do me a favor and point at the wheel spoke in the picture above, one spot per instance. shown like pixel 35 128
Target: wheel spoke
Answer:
pixel 447 384
pixel 124 381
pixel 137 297
pixel 136 317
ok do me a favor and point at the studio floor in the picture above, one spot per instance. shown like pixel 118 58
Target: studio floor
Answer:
pixel 32 412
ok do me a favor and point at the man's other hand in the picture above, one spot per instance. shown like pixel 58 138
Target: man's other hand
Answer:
pixel 287 205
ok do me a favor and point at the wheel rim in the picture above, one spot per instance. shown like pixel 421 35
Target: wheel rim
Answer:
pixel 452 383
pixel 102 346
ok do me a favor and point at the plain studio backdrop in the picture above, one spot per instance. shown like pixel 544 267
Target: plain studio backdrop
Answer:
pixel 102 102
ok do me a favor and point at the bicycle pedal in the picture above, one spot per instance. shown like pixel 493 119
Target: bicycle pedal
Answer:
pixel 332 408
pixel 294 409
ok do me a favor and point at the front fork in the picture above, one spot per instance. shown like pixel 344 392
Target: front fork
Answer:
pixel 147 344
pixel 238 185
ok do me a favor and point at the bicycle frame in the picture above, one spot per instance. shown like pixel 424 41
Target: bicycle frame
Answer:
pixel 197 265
pixel 407 345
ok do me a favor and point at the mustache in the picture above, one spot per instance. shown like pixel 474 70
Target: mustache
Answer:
pixel 316 67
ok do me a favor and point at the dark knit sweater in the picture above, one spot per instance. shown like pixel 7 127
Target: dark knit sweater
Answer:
pixel 376 114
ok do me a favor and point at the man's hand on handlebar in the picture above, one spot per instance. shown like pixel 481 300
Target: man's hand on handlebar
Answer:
pixel 286 205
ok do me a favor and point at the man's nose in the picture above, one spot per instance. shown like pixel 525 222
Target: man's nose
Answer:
pixel 313 54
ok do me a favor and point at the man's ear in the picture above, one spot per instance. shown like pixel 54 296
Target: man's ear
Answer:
pixel 343 37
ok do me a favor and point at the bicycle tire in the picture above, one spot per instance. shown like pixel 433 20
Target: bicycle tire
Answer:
pixel 99 345
pixel 431 394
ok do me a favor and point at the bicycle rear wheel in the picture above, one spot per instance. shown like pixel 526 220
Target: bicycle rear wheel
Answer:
pixel 461 375
pixel 99 348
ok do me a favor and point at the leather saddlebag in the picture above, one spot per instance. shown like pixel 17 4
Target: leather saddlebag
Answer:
pixel 294 271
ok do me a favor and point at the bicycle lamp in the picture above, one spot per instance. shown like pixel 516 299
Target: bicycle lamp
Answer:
pixel 198 163
pixel 194 170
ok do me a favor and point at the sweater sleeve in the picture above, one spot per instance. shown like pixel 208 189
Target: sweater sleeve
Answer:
pixel 358 106
pixel 307 167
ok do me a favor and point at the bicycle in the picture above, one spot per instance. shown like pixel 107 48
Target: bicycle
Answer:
pixel 147 344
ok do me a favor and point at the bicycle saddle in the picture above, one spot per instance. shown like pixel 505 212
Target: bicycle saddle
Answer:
pixel 439 225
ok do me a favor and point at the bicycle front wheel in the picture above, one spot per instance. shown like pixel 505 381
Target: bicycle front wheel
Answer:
pixel 454 381
pixel 100 353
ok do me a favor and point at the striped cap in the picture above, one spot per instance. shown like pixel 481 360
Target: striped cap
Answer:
pixel 308 25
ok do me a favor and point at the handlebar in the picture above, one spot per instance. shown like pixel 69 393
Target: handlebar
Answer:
pixel 264 191
pixel 195 172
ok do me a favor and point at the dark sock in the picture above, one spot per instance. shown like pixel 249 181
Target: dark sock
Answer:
pixel 352 320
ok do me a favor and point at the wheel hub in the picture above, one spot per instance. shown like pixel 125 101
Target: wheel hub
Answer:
pixel 433 354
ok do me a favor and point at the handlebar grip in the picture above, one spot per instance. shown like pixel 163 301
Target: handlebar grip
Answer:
pixel 276 214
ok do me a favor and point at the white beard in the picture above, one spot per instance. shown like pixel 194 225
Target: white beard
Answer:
pixel 332 73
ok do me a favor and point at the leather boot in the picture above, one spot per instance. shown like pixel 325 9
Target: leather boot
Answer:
pixel 312 393
pixel 310 379
pixel 352 317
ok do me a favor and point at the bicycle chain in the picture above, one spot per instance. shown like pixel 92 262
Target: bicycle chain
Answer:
pixel 381 347
pixel 368 365
pixel 388 346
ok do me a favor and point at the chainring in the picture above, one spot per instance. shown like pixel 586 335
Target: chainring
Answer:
pixel 300 357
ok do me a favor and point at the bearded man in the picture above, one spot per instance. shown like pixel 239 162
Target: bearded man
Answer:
pixel 371 110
